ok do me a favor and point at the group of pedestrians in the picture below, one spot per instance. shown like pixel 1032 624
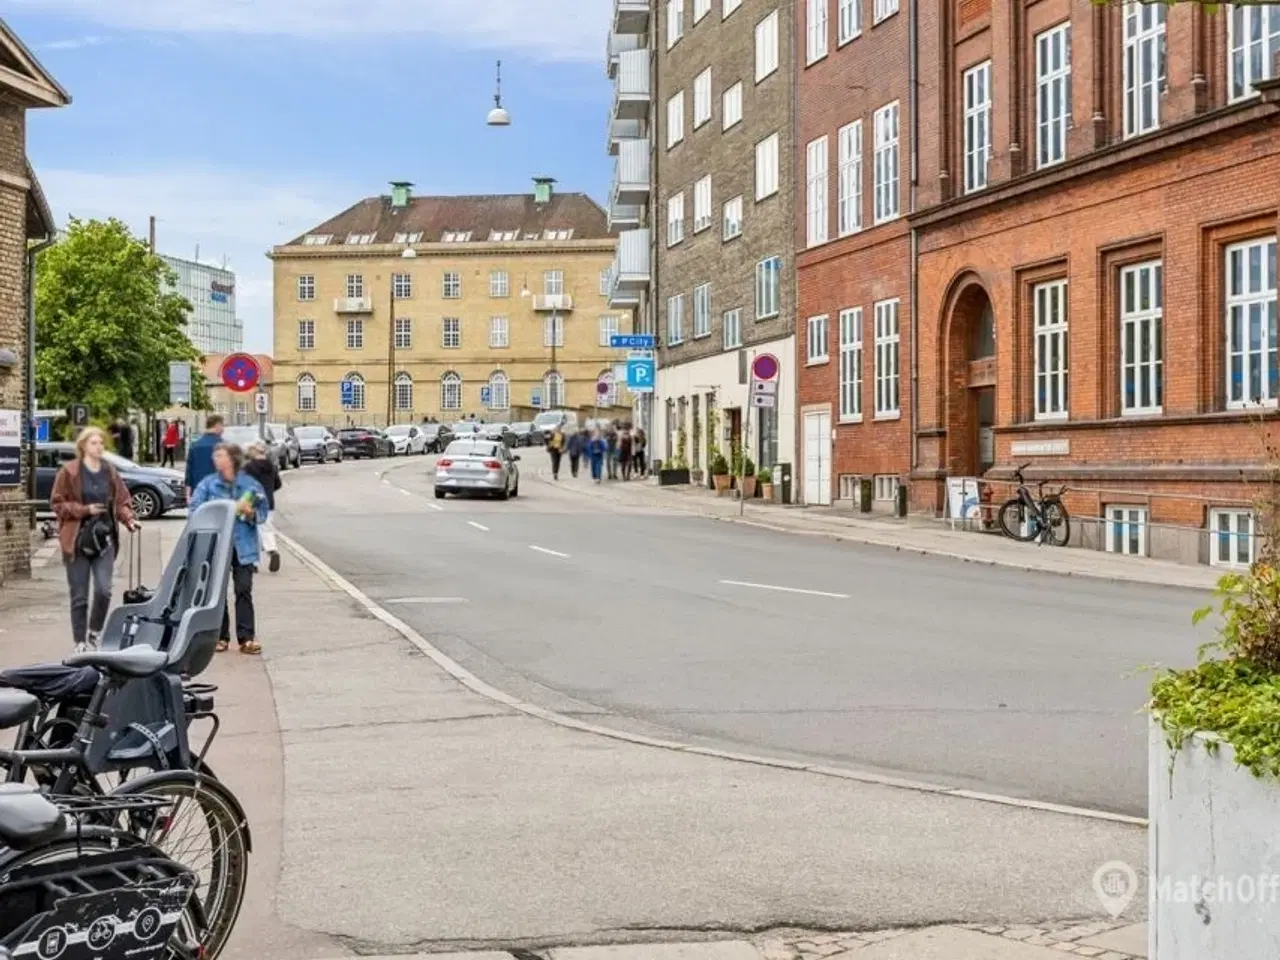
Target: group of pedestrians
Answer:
pixel 616 450
pixel 91 503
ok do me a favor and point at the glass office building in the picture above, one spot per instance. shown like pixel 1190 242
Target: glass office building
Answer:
pixel 212 325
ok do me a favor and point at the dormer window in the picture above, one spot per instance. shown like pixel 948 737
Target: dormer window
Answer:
pixel 316 239
pixel 408 237
pixel 456 236
pixel 359 239
pixel 502 236
pixel 557 235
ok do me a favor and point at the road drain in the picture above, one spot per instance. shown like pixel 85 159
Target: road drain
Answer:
pixel 524 955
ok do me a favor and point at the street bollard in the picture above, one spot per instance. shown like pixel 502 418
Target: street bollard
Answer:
pixel 900 501
pixel 866 494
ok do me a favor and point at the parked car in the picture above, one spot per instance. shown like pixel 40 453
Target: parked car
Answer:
pixel 361 442
pixel 155 490
pixel 477 466
pixel 465 428
pixel 527 435
pixel 405 439
pixel 548 420
pixel 499 433
pixel 437 436
pixel 283 436
pixel 317 444
pixel 242 436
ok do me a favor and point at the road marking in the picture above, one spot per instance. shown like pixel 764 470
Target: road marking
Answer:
pixel 478 526
pixel 404 491
pixel 429 600
pixel 550 553
pixel 770 586
pixel 435 506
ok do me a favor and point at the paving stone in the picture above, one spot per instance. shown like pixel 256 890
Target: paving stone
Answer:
pixel 954 943
pixel 1129 941
pixel 723 950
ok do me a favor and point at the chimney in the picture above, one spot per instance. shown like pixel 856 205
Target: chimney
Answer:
pixel 401 190
pixel 542 189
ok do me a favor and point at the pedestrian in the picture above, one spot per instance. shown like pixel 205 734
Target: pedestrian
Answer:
pixel 638 446
pixel 597 448
pixel 611 449
pixel 555 448
pixel 577 447
pixel 169 458
pixel 90 500
pixel 625 451
pixel 122 438
pixel 200 453
pixel 230 482
pixel 263 469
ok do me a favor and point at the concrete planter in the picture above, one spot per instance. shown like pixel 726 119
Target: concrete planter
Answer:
pixel 1214 855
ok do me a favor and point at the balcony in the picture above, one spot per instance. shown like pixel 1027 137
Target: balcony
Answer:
pixel 620 43
pixel 630 16
pixel 353 305
pixel 552 302
pixel 629 276
pixel 631 173
pixel 620 130
pixel 631 96
pixel 624 215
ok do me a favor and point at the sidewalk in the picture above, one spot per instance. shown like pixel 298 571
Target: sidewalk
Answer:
pixel 918 535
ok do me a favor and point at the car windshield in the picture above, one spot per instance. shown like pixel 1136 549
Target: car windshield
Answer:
pixel 465 426
pixel 398 431
pixel 309 433
pixel 356 431
pixel 119 462
pixel 471 448
pixel 521 427
pixel 241 436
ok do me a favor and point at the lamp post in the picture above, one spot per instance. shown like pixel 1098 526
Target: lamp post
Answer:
pixel 407 254
pixel 555 329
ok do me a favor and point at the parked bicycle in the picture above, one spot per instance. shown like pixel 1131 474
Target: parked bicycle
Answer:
pixel 1025 517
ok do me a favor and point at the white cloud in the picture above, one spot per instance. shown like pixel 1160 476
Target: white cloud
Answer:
pixel 225 214
pixel 544 29
pixel 75 43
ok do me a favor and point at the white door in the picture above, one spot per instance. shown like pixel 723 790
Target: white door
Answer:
pixel 817 459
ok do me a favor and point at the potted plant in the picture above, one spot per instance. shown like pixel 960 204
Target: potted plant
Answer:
pixel 1215 770
pixel 676 471
pixel 719 468
pixel 765 478
pixel 748 478
pixel 713 444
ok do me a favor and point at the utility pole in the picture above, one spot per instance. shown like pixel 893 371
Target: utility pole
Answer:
pixel 152 234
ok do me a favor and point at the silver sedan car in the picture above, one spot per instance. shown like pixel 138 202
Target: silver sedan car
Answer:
pixel 477 466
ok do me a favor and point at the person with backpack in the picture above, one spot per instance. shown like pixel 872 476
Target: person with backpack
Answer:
pixel 90 500
pixel 263 469
pixel 555 448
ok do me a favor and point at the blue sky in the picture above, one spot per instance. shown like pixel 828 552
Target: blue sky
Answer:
pixel 240 123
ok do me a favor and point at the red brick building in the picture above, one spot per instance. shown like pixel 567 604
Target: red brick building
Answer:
pixel 1094 262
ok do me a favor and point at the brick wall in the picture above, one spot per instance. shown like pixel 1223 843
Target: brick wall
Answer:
pixel 15 531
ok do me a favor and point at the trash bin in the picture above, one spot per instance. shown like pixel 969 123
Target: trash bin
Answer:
pixel 782 477
pixel 866 494
pixel 900 501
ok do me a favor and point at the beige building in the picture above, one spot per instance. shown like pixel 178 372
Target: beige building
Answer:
pixel 403 308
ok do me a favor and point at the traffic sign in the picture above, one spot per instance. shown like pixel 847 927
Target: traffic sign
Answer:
pixel 764 386
pixel 640 375
pixel 79 415
pixel 348 393
pixel 179 384
pixel 535 398
pixel 42 430
pixel 602 387
pixel 260 403
pixel 485 394
pixel 764 400
pixel 240 373
pixel 633 341
pixel 765 367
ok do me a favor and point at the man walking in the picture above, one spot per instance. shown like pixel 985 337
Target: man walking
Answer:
pixel 555 447
pixel 200 453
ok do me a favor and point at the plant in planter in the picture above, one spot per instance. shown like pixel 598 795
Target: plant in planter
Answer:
pixel 713 432
pixel 748 478
pixel 765 479
pixel 719 467
pixel 676 471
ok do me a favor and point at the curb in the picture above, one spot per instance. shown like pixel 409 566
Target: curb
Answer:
pixel 478 686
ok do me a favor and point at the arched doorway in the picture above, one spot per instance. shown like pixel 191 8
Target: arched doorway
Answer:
pixel 970 359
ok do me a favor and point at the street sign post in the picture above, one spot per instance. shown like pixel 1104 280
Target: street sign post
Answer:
pixel 347 391
pixel 240 373
pixel 486 394
pixel 640 374
pixel 180 384
pixel 260 404
pixel 633 341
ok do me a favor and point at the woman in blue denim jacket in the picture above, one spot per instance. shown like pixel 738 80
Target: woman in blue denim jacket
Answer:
pixel 229 482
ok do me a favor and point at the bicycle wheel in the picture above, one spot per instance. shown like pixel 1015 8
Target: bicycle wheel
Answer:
pixel 1058 521
pixel 1017 522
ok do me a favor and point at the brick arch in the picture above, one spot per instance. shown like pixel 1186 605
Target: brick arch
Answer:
pixel 967 296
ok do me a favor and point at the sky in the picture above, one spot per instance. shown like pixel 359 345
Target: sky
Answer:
pixel 240 124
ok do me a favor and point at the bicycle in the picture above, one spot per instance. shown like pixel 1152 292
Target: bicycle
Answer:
pixel 1025 517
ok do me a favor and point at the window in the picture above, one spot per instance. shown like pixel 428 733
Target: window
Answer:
pixel 766 46
pixel 355 286
pixel 885 9
pixel 731 106
pixel 816 191
pixel 608 329
pixel 553 282
pixel 456 236
pixel 1053 94
pixel 355 334
pixel 552 235
pixel 886 163
pixel 851 364
pixel 1253 37
pixel 732 329
pixel 451 333
pixel 605 282
pixel 306 334
pixel 732 218
pixel 306 392
pixel 817 346
pixel 702 204
pixel 885 487
pixel 849 179
pixel 1144 66
pixel 848 20
pixel 675 219
pixel 499 391
pixel 357 391
pixel 700 9
pixel 360 239
pixel 401 286
pixel 816 42
pixel 499 284
pixel 767 167
pixel 675 320
pixel 407 237
pixel 702 98
pixel 553 390
pixel 675 22
pixel 1127 531
pixel 1142 338
pixel 1232 534
pixel 1253 375
pixel 1050 319
pixel 404 391
pixel 316 239
pixel 499 333
pixel 675 119
pixel 451 392
pixel 768 288
pixel 306 287
pixel 728 6
pixel 404 333
pixel 452 285
pixel 553 331
pixel 977 126
pixel 888 348
pixel 702 311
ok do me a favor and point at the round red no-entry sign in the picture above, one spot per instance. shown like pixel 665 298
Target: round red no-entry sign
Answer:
pixel 240 372
pixel 765 367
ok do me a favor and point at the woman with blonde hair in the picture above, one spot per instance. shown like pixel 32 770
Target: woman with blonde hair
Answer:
pixel 90 500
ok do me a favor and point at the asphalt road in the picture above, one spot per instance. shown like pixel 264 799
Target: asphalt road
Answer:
pixel 1011 682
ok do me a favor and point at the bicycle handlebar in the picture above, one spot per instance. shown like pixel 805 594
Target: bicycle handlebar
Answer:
pixel 1017 472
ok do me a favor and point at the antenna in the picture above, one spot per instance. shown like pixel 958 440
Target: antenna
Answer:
pixel 498 117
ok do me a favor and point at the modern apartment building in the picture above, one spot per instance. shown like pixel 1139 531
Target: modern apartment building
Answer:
pixel 1081 273
pixel 403 307
pixel 713 84
pixel 212 325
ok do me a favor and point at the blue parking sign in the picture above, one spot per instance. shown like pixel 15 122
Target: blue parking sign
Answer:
pixel 348 393
pixel 485 394
pixel 640 374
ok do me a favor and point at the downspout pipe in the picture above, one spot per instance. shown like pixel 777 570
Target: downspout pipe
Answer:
pixel 913 100
pixel 29 379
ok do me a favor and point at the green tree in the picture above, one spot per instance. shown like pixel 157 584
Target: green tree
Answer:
pixel 107 325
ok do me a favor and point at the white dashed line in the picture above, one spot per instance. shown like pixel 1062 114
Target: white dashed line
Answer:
pixel 429 600
pixel 435 506
pixel 405 492
pixel 478 526
pixel 769 586
pixel 550 553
